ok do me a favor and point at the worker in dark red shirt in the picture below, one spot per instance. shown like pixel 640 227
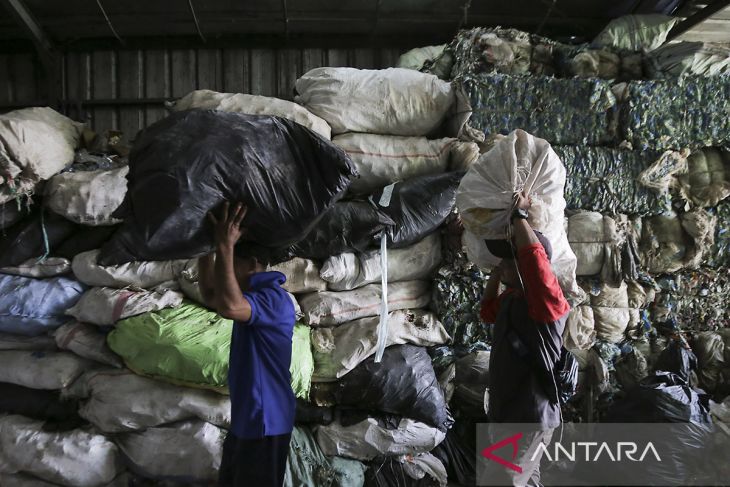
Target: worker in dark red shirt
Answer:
pixel 529 318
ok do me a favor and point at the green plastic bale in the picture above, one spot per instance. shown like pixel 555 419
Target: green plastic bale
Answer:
pixel 307 465
pixel 302 361
pixel 187 344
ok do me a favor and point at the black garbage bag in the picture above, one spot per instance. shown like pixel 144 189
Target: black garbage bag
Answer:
pixel 677 359
pixel 308 413
pixel 85 238
pixel 393 472
pixel 458 458
pixel 28 238
pixel 349 226
pixel 666 398
pixel 13 212
pixel 187 164
pixel 37 404
pixel 402 383
pixel 417 206
pixel 566 376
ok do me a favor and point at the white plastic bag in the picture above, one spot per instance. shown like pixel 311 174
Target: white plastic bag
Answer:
pixel 368 439
pixel 391 101
pixel 636 32
pixel 87 197
pixel 518 162
pixel 348 271
pixel 579 333
pixel 41 370
pixel 337 350
pixel 189 451
pixel 86 341
pixel 119 400
pixel 75 457
pixel 384 159
pixel 106 305
pixel 587 240
pixel 140 274
pixel 332 308
pixel 252 105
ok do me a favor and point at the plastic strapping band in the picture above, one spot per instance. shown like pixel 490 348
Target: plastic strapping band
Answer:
pixel 383 326
pixel 46 246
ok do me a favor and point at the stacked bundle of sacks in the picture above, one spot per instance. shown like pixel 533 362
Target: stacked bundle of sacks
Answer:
pixel 118 348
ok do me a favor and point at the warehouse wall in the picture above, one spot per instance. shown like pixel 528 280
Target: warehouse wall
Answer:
pixel 125 89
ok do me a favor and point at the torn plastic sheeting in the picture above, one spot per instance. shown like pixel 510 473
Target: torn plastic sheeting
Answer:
pixel 76 457
pixel 349 271
pixel 605 180
pixel 119 401
pixel 251 105
pixel 33 307
pixel 417 206
pixel 374 437
pixel 562 111
pixel 333 308
pixel 188 451
pixel 403 383
pixel 281 163
pixel 338 350
pixel 307 465
pixel 690 111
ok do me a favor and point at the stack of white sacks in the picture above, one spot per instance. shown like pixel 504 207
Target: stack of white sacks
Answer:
pixel 114 347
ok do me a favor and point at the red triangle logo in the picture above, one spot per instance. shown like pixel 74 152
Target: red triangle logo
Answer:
pixel 512 440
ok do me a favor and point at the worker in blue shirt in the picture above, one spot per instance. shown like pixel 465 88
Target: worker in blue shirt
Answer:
pixel 262 400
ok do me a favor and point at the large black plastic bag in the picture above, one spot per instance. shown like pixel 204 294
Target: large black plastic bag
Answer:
pixel 85 238
pixel 37 404
pixel 402 383
pixel 28 238
pixel 458 458
pixel 190 162
pixel 677 359
pixel 566 376
pixel 417 206
pixel 346 227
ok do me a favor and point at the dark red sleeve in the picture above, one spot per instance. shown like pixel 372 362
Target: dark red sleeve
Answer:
pixel 545 300
pixel 490 308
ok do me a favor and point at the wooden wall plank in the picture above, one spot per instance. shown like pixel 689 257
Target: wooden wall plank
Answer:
pixel 22 74
pixel 312 58
pixel 103 87
pixel 183 72
pixel 130 73
pixel 263 72
pixel 235 71
pixel 156 82
pixel 77 85
pixel 210 70
pixel 337 57
pixel 289 68
pixel 389 57
pixel 6 89
pixel 364 59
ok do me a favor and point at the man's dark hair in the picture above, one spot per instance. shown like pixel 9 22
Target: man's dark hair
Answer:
pixel 504 249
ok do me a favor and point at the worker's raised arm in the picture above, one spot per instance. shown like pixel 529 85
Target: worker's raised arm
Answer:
pixel 230 302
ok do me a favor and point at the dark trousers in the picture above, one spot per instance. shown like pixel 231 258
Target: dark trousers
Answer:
pixel 259 462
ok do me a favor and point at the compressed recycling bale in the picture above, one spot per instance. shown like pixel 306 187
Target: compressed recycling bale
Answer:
pixel 50 267
pixel 119 400
pixel 611 312
pixel 187 451
pixel 32 307
pixel 348 271
pixel 384 159
pixel 338 350
pixel 585 235
pixel 707 181
pixel 636 32
pixel 374 437
pixel 139 274
pixel 87 197
pixel 105 305
pixel 252 105
pixel 74 457
pixel 333 308
pixel 391 101
pixel 86 341
pixel 37 143
pixel 41 370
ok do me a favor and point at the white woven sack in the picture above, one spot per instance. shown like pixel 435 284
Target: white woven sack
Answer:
pixel 87 197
